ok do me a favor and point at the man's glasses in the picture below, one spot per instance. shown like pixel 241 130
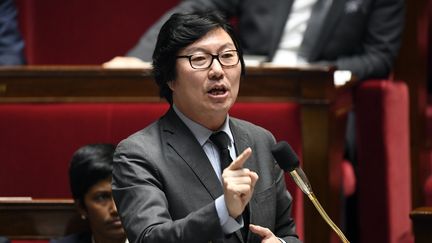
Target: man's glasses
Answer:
pixel 205 60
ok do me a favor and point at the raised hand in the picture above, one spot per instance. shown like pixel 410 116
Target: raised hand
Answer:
pixel 238 183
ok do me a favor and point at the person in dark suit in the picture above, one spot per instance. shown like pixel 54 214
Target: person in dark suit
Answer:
pixel 90 175
pixel 4 240
pixel 170 183
pixel 362 36
pixel 11 42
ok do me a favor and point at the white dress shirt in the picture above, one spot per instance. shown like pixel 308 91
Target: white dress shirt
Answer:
pixel 287 52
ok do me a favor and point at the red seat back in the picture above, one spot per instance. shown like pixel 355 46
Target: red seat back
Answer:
pixel 38 140
pixel 384 178
pixel 84 32
pixel 428 170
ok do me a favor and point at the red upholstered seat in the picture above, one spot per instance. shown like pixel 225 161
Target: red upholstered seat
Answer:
pixel 428 191
pixel 38 140
pixel 384 181
pixel 349 180
pixel 427 47
pixel 428 184
pixel 84 32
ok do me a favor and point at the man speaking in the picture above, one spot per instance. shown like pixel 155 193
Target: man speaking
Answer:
pixel 197 174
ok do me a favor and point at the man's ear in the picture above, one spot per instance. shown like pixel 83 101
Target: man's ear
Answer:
pixel 171 85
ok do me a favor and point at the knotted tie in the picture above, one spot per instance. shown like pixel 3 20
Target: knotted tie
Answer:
pixel 222 141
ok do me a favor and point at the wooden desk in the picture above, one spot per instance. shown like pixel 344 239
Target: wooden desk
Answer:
pixel 422 224
pixel 323 112
pixel 39 218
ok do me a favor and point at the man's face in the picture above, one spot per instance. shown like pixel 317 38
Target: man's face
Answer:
pixel 101 212
pixel 206 95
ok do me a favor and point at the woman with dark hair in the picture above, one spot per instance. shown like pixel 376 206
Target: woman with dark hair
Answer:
pixel 90 175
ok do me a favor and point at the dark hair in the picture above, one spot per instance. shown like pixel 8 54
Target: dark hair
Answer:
pixel 89 165
pixel 179 31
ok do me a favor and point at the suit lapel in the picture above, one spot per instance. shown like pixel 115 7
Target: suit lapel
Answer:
pixel 321 23
pixel 178 136
pixel 243 141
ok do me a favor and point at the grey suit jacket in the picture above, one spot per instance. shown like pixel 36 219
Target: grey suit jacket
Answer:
pixel 359 35
pixel 165 187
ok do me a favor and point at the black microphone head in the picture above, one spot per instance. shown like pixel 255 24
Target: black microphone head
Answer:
pixel 285 156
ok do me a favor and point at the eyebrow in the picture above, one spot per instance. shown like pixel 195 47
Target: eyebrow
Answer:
pixel 201 49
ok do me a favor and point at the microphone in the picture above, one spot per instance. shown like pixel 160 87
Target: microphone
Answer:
pixel 289 162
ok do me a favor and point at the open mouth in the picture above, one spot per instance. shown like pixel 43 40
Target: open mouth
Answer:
pixel 217 91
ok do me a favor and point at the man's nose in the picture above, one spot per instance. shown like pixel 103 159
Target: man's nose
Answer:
pixel 216 69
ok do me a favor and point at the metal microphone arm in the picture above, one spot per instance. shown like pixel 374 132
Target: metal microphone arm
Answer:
pixel 288 161
pixel 300 179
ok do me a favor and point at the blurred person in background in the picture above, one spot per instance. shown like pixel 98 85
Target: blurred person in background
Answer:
pixel 11 42
pixel 362 36
pixel 4 240
pixel 90 175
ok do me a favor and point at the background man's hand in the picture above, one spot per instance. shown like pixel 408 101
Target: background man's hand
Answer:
pixel 238 183
pixel 126 62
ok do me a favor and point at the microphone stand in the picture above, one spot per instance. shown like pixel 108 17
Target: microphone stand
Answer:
pixel 306 188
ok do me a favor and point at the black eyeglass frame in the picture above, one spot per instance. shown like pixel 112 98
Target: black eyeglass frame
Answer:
pixel 213 57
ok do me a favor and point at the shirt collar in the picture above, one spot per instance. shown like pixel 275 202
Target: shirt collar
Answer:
pixel 200 132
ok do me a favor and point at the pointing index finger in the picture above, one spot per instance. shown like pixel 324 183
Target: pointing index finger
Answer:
pixel 239 162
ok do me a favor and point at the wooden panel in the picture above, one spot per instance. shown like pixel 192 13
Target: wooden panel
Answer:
pixel 94 83
pixel 38 219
